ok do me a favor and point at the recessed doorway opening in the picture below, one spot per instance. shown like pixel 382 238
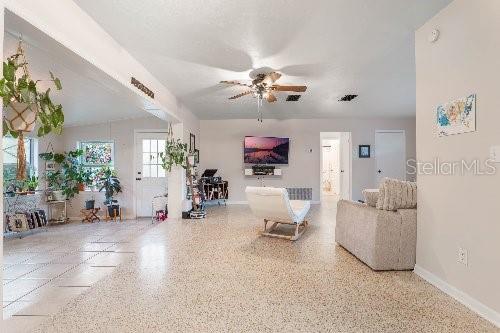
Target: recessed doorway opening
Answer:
pixel 335 173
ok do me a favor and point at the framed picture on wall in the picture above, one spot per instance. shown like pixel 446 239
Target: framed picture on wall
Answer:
pixel 364 151
pixel 50 166
pixel 192 142
pixel 196 156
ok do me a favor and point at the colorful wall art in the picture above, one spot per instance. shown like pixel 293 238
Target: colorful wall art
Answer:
pixel 457 117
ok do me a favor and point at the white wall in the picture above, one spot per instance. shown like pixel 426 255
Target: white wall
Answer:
pixel 222 148
pixel 460 210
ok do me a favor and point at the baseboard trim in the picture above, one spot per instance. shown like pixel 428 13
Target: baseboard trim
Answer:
pixel 229 202
pixel 470 302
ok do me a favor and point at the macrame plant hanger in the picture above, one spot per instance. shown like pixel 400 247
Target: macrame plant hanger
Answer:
pixel 170 133
pixel 28 125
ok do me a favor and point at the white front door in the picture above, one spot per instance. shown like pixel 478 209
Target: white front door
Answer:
pixel 150 177
pixel 345 165
pixel 390 155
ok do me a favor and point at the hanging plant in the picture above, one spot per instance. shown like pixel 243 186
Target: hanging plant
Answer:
pixel 175 154
pixel 25 106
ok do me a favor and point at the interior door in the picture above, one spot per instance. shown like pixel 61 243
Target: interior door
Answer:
pixel 345 165
pixel 150 177
pixel 390 155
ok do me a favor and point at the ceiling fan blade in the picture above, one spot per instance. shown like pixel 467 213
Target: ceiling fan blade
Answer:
pixel 271 98
pixel 242 94
pixel 235 83
pixel 277 87
pixel 274 76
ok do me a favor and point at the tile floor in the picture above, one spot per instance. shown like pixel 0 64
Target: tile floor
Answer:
pixel 217 275
pixel 45 270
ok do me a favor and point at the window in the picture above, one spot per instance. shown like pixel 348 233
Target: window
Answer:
pixel 9 152
pixel 96 155
pixel 151 161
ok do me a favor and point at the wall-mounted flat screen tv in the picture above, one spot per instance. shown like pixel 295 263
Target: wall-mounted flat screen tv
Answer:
pixel 266 150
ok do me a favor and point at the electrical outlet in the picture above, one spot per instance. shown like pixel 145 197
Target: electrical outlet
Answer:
pixel 462 256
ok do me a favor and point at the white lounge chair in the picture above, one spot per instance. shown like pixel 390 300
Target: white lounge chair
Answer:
pixel 273 205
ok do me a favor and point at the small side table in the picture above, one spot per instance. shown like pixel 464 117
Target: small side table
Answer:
pixel 90 215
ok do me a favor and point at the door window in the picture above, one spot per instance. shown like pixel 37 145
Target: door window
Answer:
pixel 151 161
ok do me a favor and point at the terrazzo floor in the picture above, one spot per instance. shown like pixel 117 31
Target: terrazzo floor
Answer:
pixel 218 275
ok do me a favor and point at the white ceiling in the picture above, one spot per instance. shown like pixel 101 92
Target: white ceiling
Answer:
pixel 89 96
pixel 335 47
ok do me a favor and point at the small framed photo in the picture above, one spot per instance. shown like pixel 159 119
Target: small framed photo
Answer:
pixel 196 156
pixel 192 142
pixel 364 151
pixel 50 166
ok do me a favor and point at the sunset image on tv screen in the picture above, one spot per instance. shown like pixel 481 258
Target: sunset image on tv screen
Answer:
pixel 264 150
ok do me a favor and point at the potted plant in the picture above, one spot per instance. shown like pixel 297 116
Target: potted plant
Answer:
pixel 175 154
pixel 26 106
pixel 110 183
pixel 32 183
pixel 66 179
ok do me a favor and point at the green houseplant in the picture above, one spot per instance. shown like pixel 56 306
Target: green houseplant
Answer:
pixel 69 174
pixel 175 154
pixel 110 183
pixel 25 106
pixel 32 183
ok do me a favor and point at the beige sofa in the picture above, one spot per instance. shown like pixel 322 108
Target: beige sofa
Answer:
pixel 382 239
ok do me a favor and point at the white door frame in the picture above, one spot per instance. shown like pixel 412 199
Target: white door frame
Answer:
pixel 375 150
pixel 134 173
pixel 322 136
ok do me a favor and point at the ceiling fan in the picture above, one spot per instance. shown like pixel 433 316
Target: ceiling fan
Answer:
pixel 263 87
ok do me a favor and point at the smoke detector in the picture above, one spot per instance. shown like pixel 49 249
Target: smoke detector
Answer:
pixel 433 36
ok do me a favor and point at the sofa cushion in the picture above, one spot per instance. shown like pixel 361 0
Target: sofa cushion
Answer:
pixel 371 196
pixel 397 194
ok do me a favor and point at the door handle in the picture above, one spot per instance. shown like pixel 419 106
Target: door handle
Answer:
pixel 138 179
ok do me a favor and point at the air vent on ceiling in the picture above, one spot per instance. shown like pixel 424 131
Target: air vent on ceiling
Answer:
pixel 347 98
pixel 293 98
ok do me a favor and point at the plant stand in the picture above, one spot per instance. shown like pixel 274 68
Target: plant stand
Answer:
pixel 90 215
pixel 116 213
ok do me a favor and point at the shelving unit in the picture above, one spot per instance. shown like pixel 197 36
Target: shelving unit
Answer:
pixel 275 172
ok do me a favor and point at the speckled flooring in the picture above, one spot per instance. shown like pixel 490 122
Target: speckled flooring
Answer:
pixel 218 275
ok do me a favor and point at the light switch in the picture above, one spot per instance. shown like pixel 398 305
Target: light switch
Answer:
pixel 495 153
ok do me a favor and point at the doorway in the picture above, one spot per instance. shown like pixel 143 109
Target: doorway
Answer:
pixel 150 177
pixel 390 155
pixel 335 166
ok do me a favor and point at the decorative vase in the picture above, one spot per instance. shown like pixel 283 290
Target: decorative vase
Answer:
pixel 89 204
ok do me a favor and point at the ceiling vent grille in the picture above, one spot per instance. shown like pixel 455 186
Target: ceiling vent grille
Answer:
pixel 347 98
pixel 293 98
